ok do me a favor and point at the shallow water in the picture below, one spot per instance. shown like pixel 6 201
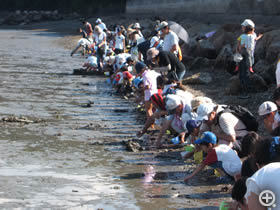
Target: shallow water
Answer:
pixel 52 164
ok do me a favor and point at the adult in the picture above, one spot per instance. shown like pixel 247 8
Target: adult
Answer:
pixel 269 114
pixel 171 40
pixel 101 45
pixel 84 43
pixel 226 126
pixel 267 157
pixel 179 112
pixel 167 62
pixel 88 30
pixel 101 24
pixel 119 42
pixel 137 27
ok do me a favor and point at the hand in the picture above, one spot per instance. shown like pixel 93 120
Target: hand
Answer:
pixel 139 134
pixel 187 179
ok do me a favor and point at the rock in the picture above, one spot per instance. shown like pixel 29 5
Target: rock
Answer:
pixel 18 12
pixel 146 33
pixel 257 82
pixel 224 57
pixel 202 78
pixel 37 17
pixel 200 63
pixel 266 71
pixel 206 49
pixel 133 146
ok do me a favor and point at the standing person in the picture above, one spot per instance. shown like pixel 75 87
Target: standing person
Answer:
pixel 150 85
pixel 101 45
pixel 167 62
pixel 171 40
pixel 88 29
pixel 119 42
pixel 278 72
pixel 101 24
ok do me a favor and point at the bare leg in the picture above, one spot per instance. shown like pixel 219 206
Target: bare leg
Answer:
pixel 164 127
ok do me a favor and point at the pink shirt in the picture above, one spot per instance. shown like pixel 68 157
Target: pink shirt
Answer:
pixel 150 80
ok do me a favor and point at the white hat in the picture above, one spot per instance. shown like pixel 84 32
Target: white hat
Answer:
pixel 162 25
pixel 204 110
pixel 137 25
pixel 267 107
pixel 152 53
pixel 98 20
pixel 248 22
pixel 172 102
pixel 110 60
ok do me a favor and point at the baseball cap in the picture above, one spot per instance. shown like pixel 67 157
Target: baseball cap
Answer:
pixel 192 124
pixel 152 53
pixel 248 22
pixel 172 102
pixel 162 25
pixel 204 110
pixel 98 20
pixel 137 81
pixel 207 137
pixel 139 66
pixel 266 108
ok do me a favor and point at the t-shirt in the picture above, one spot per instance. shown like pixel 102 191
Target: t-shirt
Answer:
pixel 119 42
pixel 278 73
pixel 92 60
pixel 102 26
pixel 98 38
pixel 266 178
pixel 167 57
pixel 127 75
pixel 230 161
pixel 249 41
pixel 83 42
pixel 121 59
pixel 150 80
pixel 169 40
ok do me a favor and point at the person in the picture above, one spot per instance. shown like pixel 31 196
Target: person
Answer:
pixel 82 32
pixel 137 27
pixel 150 85
pixel 267 158
pixel 167 62
pixel 101 45
pixel 268 111
pixel 88 30
pixel 179 112
pixel 277 72
pixel 91 63
pixel 249 143
pixel 84 43
pixel 220 157
pixel 226 126
pixel 238 194
pixel 119 42
pixel 171 40
pixel 101 24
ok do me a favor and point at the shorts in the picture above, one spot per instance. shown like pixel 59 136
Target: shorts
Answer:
pixel 148 94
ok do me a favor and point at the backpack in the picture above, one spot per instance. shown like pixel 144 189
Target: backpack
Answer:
pixel 242 114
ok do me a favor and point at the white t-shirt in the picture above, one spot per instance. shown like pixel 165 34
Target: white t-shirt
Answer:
pixel 102 26
pixel 169 40
pixel 119 42
pixel 266 178
pixel 150 79
pixel 83 42
pixel 99 38
pixel 121 59
pixel 278 73
pixel 249 40
pixel 92 60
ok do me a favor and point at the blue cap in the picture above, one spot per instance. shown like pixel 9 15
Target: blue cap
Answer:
pixel 207 137
pixel 137 81
pixel 139 67
pixel 192 124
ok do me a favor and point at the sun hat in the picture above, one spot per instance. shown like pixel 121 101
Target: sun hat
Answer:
pixel 137 25
pixel 152 53
pixel 172 102
pixel 98 20
pixel 248 22
pixel 204 110
pixel 162 25
pixel 207 137
pixel 266 108
pixel 200 100
pixel 139 67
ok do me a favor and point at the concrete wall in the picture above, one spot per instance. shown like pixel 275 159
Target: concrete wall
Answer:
pixel 239 7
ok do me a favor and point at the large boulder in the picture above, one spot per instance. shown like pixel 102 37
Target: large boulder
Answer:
pixel 266 71
pixel 224 56
pixel 202 78
pixel 201 63
pixel 257 82
pixel 206 49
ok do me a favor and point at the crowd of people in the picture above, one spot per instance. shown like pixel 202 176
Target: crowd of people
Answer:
pixel 151 69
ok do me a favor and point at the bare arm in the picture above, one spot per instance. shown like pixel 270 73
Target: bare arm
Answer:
pixel 196 171
pixel 229 138
pixel 253 202
pixel 164 127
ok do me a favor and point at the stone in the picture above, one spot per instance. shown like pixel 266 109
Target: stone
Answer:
pixel 266 70
pixel 133 146
pixel 18 12
pixel 200 63
pixel 37 17
pixel 202 78
pixel 206 49
pixel 224 56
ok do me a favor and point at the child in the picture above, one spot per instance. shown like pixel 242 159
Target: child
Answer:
pixel 119 42
pixel 220 157
pixel 150 85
